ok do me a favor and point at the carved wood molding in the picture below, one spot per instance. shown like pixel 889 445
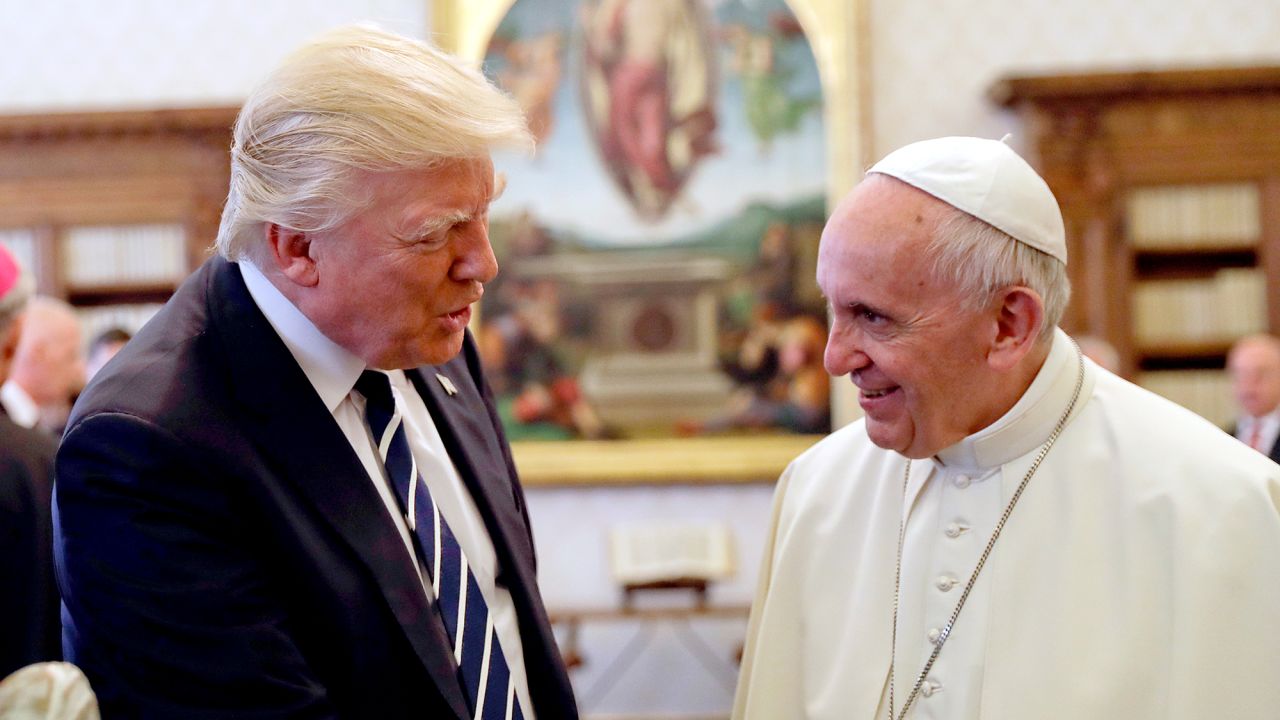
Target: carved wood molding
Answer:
pixel 174 121
pixel 61 170
pixel 1096 136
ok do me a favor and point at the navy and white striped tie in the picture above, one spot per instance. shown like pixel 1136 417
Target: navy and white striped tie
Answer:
pixel 481 663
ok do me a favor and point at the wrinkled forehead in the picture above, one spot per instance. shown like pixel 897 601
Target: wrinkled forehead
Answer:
pixel 883 216
pixel 877 249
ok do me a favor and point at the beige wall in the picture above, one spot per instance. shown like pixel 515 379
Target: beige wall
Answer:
pixel 91 54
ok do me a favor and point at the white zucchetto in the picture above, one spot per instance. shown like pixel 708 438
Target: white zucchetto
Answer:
pixel 986 179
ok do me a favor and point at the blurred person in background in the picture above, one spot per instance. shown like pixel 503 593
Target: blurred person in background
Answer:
pixel 103 347
pixel 1254 367
pixel 29 624
pixel 48 369
pixel 1099 351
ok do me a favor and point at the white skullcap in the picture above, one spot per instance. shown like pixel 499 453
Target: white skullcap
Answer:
pixel 986 179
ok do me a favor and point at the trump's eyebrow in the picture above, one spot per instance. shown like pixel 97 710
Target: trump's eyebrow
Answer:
pixel 436 224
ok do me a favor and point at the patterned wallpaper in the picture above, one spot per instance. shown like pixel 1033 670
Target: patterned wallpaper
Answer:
pixel 89 54
pixel 933 60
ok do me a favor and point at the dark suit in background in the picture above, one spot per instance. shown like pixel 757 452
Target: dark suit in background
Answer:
pixel 239 561
pixel 30 631
pixel 1275 448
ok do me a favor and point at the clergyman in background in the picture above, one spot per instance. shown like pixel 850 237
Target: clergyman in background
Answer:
pixel 1254 367
pixel 1010 532
pixel 290 494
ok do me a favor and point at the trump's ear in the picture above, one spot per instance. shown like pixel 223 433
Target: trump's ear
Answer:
pixel 1020 315
pixel 290 252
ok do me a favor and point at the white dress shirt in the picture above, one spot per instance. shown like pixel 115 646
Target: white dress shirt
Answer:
pixel 22 410
pixel 333 372
pixel 1268 430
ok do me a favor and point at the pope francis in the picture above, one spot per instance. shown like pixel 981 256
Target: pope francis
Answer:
pixel 1011 532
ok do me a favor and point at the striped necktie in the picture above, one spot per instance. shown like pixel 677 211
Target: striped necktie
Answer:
pixel 481 663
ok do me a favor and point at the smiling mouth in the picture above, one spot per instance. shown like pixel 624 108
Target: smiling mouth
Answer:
pixel 877 393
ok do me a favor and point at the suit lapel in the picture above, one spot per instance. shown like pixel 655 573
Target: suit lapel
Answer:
pixel 469 437
pixel 307 450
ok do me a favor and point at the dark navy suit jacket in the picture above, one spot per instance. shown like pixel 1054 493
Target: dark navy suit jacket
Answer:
pixel 223 553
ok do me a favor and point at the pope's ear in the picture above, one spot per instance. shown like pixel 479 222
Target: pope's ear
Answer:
pixel 1019 318
pixel 291 254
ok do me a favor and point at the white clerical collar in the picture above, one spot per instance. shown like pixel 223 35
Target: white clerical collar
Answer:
pixel 1030 421
pixel 331 368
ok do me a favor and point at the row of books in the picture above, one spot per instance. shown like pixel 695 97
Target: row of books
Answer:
pixel 21 242
pixel 1181 217
pixel 1226 306
pixel 124 254
pixel 1204 392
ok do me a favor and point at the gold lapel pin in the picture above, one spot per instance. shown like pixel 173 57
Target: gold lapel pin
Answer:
pixel 447 384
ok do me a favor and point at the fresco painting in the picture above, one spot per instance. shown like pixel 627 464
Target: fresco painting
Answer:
pixel 658 246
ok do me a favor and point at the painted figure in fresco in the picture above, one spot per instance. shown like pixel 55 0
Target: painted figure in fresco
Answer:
pixel 532 75
pixel 647 79
pixel 707 163
pixel 772 107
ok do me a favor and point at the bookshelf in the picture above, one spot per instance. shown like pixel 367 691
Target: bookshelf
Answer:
pixel 1169 183
pixel 111 210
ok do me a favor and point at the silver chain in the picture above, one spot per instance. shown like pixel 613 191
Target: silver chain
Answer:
pixel 982 560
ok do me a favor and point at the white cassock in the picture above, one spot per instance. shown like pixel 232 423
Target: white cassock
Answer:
pixel 1137 577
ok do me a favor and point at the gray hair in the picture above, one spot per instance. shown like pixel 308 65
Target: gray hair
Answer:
pixel 356 98
pixel 981 260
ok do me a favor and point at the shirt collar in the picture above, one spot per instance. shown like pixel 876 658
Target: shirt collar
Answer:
pixel 1269 420
pixel 1031 420
pixel 18 404
pixel 331 368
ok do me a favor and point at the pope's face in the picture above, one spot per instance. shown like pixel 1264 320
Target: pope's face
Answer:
pixel 915 352
pixel 1254 367
pixel 397 280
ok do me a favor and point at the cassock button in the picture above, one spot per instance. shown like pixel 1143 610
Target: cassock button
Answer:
pixel 955 530
pixel 929 687
pixel 934 634
pixel 945 583
pixel 962 481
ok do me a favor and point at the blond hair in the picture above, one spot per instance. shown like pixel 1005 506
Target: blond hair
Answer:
pixel 355 99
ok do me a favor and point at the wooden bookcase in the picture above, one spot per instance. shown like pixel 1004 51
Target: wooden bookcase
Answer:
pixel 113 209
pixel 1169 183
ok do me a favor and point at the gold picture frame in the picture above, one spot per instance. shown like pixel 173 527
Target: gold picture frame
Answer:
pixel 836 30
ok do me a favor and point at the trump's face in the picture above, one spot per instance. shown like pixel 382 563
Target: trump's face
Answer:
pixel 396 282
pixel 916 353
